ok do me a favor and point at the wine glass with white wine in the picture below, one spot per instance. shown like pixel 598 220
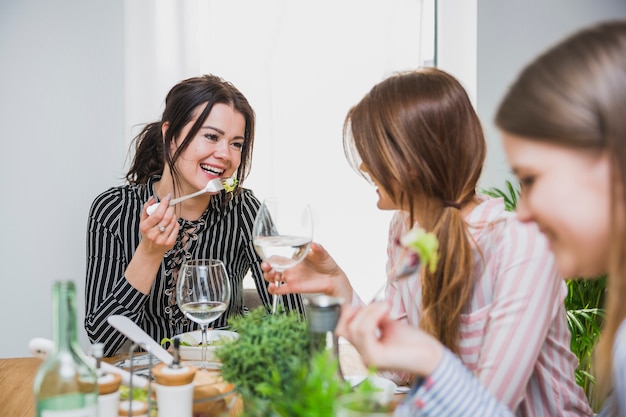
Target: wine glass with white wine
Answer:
pixel 203 293
pixel 282 235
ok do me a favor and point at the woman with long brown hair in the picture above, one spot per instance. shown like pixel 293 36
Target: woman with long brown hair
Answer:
pixel 495 298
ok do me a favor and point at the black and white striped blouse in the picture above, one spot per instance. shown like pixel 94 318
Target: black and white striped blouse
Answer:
pixel 223 232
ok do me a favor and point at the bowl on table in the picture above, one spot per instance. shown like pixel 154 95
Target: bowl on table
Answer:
pixel 213 397
pixel 215 339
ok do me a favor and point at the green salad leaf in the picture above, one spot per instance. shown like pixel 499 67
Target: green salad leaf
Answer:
pixel 424 244
pixel 230 184
pixel 166 340
pixel 139 394
pixel 216 342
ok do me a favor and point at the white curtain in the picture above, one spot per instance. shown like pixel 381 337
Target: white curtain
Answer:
pixel 302 65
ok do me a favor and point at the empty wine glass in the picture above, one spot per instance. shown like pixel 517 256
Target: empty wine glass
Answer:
pixel 203 294
pixel 282 235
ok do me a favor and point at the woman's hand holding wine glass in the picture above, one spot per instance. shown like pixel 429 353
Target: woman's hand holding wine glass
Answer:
pixel 203 293
pixel 282 234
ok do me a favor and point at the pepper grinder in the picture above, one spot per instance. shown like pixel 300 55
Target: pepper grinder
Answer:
pixel 108 386
pixel 174 386
pixel 323 312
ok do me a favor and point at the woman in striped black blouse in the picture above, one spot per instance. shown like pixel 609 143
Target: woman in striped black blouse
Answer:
pixel 495 299
pixel 206 132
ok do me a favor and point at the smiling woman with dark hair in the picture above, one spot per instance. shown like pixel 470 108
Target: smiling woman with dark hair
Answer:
pixel 206 132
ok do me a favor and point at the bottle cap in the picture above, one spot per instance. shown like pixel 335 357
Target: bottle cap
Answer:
pixel 169 376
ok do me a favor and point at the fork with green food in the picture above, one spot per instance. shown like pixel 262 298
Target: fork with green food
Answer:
pixel 213 186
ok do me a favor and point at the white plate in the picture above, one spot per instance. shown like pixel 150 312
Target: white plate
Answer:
pixel 194 353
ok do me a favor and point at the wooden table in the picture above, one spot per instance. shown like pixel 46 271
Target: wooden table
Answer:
pixel 16 386
pixel 17 376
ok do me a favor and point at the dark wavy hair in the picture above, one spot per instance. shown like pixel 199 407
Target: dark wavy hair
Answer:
pixel 574 95
pixel 420 138
pixel 152 150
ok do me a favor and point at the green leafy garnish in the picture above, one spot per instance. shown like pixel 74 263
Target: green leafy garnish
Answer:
pixel 139 394
pixel 216 342
pixel 230 184
pixel 171 341
pixel 424 244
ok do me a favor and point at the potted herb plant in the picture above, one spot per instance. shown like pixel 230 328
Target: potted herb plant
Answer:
pixel 273 368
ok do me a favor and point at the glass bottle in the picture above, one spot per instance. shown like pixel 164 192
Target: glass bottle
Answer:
pixel 66 384
pixel 323 313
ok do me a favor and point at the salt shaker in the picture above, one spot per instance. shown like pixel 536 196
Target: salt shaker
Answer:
pixel 108 386
pixel 135 408
pixel 174 387
pixel 323 313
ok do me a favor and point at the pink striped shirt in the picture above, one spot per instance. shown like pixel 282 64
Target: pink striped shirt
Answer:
pixel 514 334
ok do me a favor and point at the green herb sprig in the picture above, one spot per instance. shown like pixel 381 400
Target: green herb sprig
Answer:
pixel 230 184
pixel 269 349
pixel 272 367
pixel 424 244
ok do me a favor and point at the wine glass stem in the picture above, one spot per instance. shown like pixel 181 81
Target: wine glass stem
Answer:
pixel 276 298
pixel 204 343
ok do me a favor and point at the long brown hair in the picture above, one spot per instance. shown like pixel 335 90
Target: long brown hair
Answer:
pixel 420 138
pixel 180 104
pixel 574 95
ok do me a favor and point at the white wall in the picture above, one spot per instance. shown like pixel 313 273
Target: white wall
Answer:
pixel 457 41
pixel 485 43
pixel 61 121
pixel 62 83
pixel 511 33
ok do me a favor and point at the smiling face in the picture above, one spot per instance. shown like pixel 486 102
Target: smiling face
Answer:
pixel 566 192
pixel 215 151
